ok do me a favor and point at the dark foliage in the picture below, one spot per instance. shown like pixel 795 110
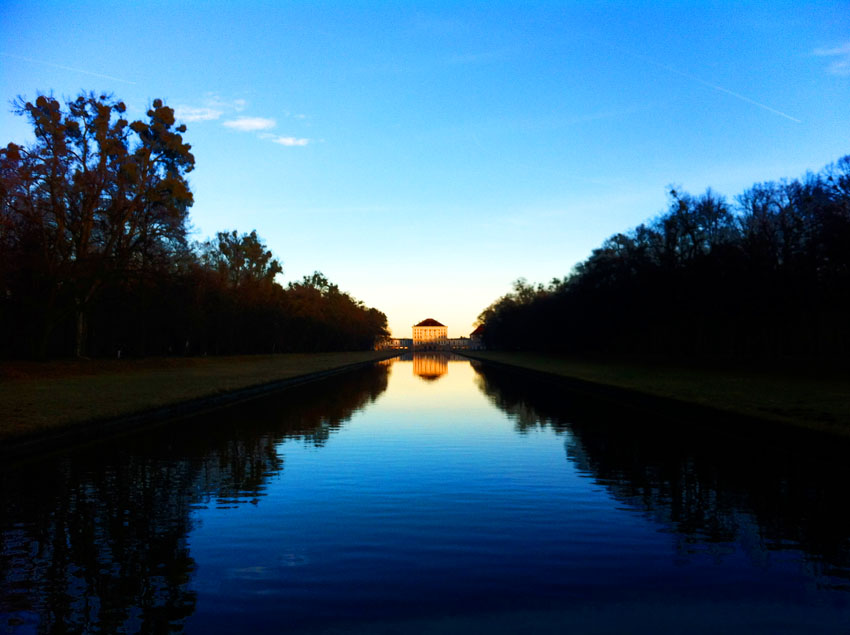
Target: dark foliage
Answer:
pixel 94 258
pixel 764 277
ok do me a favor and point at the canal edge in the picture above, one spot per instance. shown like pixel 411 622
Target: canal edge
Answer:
pixel 672 407
pixel 94 430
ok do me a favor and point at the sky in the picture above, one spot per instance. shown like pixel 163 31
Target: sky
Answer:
pixel 425 155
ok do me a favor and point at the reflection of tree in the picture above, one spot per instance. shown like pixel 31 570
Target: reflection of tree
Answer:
pixel 511 400
pixel 320 408
pixel 90 546
pixel 713 489
pixel 97 540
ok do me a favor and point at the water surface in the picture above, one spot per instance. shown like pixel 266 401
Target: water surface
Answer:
pixel 430 495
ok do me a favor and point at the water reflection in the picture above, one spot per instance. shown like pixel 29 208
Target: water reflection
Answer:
pixel 715 490
pixel 430 366
pixel 431 507
pixel 96 539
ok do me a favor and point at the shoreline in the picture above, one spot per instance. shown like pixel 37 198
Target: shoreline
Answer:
pixel 161 391
pixel 754 400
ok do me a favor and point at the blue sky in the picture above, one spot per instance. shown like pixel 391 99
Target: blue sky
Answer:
pixel 424 155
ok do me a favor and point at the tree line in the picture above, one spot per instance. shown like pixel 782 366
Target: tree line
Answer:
pixel 764 276
pixel 95 258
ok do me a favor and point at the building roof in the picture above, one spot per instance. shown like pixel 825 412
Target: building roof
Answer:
pixel 478 331
pixel 429 322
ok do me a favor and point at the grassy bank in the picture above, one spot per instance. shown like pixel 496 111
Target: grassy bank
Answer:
pixel 37 399
pixel 803 396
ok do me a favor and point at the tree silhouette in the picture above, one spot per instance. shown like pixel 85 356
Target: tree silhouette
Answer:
pixel 768 276
pixel 94 258
pixel 241 259
pixel 92 199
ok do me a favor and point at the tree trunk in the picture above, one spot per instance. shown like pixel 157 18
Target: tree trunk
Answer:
pixel 41 341
pixel 80 339
pixel 43 323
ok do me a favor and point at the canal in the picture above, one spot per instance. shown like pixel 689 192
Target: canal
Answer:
pixel 430 495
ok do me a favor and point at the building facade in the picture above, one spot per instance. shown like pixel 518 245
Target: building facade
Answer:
pixel 430 334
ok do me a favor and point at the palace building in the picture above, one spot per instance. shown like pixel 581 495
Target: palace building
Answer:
pixel 430 334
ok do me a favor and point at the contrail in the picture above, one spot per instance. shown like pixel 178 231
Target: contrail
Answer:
pixel 693 78
pixel 67 68
pixel 720 89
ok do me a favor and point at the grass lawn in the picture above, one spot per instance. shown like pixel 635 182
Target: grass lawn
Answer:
pixel 806 396
pixel 37 398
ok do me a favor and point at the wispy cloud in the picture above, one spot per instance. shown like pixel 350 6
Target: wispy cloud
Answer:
pixel 434 24
pixel 290 141
pixel 188 113
pixel 608 114
pixel 66 68
pixel 250 124
pixel 840 64
pixel 212 100
pixel 480 57
pixel 213 108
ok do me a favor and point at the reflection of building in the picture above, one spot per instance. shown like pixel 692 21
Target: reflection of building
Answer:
pixel 430 366
pixel 430 334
